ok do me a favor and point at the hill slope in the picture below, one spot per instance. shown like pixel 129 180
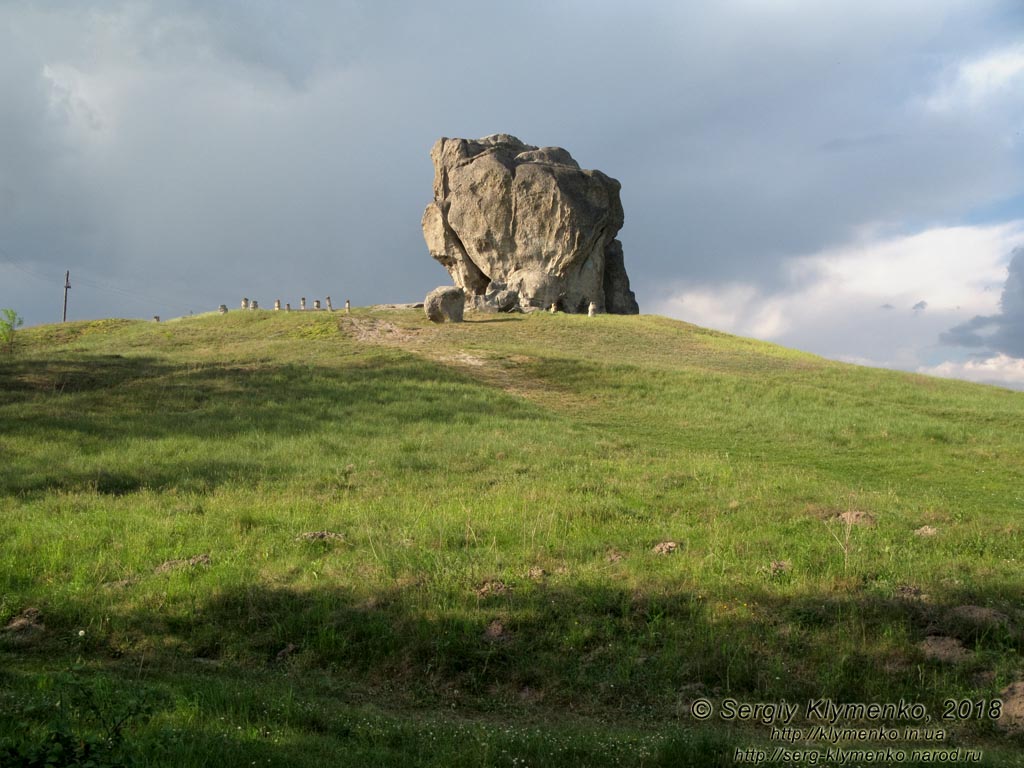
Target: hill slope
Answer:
pixel 371 540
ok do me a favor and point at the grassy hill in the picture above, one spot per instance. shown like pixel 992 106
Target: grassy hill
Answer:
pixel 309 539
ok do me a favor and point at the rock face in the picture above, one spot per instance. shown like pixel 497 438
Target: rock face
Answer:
pixel 445 303
pixel 513 220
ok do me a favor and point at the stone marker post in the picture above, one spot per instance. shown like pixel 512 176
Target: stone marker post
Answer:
pixel 223 309
pixel 254 304
pixel 328 302
pixel 287 307
pixel 245 303
pixel 316 304
pixel 348 307
pixel 592 309
pixel 277 305
pixel 302 304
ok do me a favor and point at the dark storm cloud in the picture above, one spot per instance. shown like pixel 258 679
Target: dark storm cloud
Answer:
pixel 1002 332
pixel 205 151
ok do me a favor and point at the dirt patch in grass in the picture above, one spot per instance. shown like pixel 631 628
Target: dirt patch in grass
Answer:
pixel 925 531
pixel 191 562
pixel 948 650
pixel 847 517
pixel 372 331
pixel 1012 718
pixel 857 517
pixel 29 620
pixel 495 631
pixel 119 584
pixel 665 548
pixel 320 536
pixel 24 629
pixel 464 358
pixel 910 592
pixel 972 622
pixel 979 615
pixel 492 587
pixel 513 373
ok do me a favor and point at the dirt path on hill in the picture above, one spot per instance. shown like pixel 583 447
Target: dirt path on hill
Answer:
pixel 509 373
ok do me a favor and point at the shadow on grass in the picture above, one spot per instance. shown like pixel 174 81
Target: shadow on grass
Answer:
pixel 538 653
pixel 597 645
pixel 58 409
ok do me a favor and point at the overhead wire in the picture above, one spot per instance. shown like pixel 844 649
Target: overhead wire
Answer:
pixel 89 282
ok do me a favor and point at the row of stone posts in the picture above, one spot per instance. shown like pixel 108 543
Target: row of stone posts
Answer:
pixel 253 304
pixel 591 309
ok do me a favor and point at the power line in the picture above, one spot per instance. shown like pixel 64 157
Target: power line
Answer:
pixel 135 296
pixel 29 272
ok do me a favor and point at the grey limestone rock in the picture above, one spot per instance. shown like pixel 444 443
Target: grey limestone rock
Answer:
pixel 497 298
pixel 445 303
pixel 508 216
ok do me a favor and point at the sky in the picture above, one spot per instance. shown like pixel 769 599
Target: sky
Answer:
pixel 845 178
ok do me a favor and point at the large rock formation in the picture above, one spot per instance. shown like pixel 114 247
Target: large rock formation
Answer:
pixel 510 217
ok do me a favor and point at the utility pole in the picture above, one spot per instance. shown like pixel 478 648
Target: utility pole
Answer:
pixel 67 285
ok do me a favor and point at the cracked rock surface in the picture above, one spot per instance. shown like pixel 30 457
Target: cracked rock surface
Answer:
pixel 527 220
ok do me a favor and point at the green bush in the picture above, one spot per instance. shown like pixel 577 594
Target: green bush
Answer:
pixel 10 321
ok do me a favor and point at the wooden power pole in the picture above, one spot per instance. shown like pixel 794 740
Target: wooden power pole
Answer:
pixel 67 285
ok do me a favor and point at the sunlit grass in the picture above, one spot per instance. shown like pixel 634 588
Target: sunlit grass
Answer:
pixel 496 490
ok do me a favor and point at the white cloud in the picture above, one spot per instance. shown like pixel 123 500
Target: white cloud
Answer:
pixel 737 307
pixel 995 75
pixel 78 100
pixel 835 302
pixel 1001 369
pixel 948 267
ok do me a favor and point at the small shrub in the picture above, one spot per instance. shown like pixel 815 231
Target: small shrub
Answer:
pixel 10 321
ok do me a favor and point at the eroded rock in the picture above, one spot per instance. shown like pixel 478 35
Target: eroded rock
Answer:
pixel 530 220
pixel 445 304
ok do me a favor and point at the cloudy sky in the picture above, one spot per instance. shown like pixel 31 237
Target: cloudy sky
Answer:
pixel 841 177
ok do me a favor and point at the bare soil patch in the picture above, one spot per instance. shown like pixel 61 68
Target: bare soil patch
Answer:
pixel 910 592
pixel 979 616
pixel 857 517
pixel 191 562
pixel 847 517
pixel 25 628
pixel 945 649
pixel 377 331
pixel 492 587
pixel 320 536
pixel 495 631
pixel 1012 719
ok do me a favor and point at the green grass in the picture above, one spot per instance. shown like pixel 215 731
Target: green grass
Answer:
pixel 498 487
